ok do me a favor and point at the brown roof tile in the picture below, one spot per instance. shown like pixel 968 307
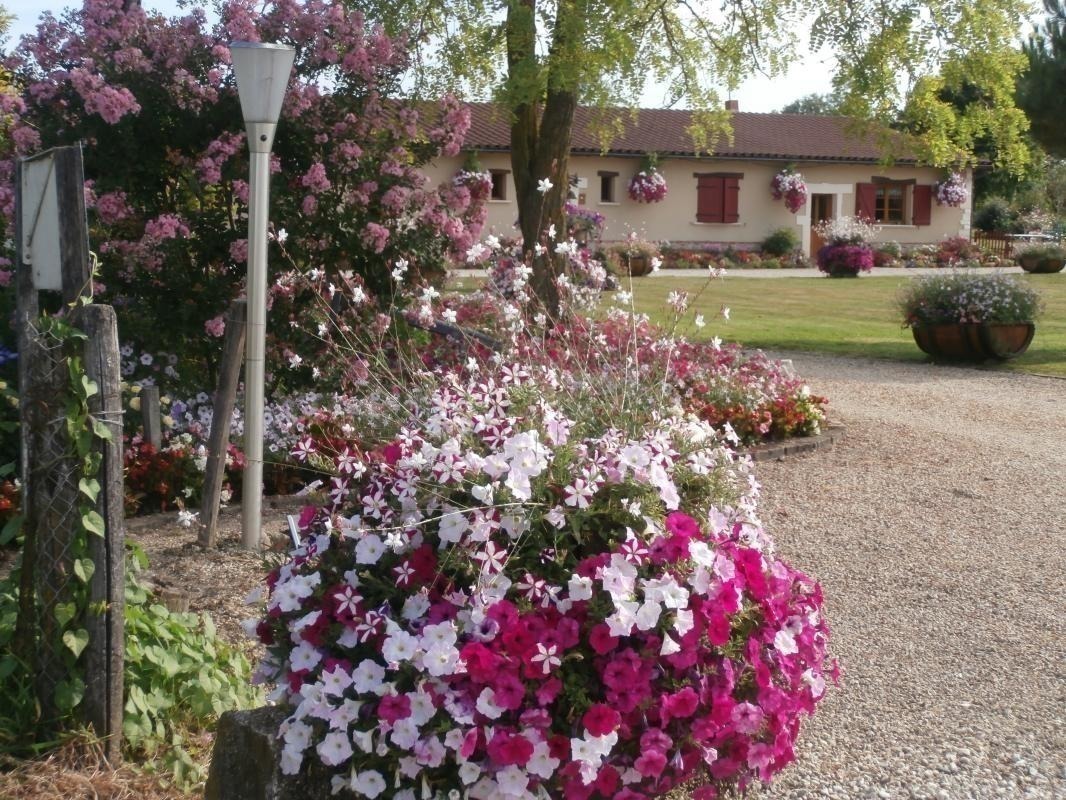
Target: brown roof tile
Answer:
pixel 800 137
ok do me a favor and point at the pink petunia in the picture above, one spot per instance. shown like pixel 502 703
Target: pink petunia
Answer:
pixel 601 720
pixel 508 750
pixel 394 707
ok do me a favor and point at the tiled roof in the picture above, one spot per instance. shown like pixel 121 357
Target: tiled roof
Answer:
pixel 801 137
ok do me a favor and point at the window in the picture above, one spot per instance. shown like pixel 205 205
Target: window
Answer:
pixel 499 184
pixel 887 201
pixel 608 181
pixel 718 196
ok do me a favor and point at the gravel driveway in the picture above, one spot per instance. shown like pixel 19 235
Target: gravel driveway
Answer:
pixel 937 528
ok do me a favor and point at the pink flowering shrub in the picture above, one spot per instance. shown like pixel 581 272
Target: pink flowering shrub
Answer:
pixel 166 160
pixel 532 590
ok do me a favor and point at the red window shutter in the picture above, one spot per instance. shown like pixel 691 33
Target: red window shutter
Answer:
pixel 866 201
pixel 731 200
pixel 922 205
pixel 709 205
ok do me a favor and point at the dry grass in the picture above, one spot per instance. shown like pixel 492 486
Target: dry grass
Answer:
pixel 77 771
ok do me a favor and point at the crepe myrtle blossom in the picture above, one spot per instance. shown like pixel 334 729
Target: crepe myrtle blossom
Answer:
pixel 425 647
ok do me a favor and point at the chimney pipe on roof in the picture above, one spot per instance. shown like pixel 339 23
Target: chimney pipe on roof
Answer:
pixel 732 105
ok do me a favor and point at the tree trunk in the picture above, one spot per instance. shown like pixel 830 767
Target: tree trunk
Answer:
pixel 540 145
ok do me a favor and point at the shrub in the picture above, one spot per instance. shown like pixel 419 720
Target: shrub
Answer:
pixel 780 243
pixel 968 298
pixel 994 215
pixel 956 251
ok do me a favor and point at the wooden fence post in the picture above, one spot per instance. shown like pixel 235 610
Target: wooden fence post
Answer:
pixel 51 253
pixel 222 414
pixel 105 619
pixel 150 416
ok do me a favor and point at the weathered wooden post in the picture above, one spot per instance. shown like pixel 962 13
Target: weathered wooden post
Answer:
pixel 52 254
pixel 151 419
pixel 105 618
pixel 222 414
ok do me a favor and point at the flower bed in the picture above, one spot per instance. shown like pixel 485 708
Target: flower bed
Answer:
pixel 533 590
pixel 725 256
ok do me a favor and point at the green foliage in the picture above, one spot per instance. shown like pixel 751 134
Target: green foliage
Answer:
pixel 780 243
pixel 19 711
pixel 179 678
pixel 1040 88
pixel 939 47
pixel 820 104
pixel 995 214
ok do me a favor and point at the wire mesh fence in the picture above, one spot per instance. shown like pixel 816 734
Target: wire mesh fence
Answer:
pixel 53 517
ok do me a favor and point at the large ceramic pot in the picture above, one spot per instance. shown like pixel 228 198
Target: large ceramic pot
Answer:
pixel 1041 264
pixel 974 341
pixel 637 265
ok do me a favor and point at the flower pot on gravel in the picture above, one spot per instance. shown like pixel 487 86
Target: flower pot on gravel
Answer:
pixel 970 317
pixel 1042 258
pixel 955 341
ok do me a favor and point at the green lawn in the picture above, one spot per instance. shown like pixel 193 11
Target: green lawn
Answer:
pixel 847 317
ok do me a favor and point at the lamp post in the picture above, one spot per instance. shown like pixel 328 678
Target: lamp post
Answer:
pixel 262 72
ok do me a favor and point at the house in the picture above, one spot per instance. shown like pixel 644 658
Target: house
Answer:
pixel 726 197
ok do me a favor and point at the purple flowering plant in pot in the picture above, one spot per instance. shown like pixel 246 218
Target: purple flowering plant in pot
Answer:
pixel 847 250
pixel 952 191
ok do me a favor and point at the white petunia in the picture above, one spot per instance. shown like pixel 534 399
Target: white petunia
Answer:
pixel 368 783
pixel 648 615
pixel 580 588
pixel 544 185
pixel 368 677
pixel 399 646
pixel 334 748
pixel 369 549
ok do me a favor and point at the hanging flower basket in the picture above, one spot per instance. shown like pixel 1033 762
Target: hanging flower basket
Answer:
pixel 788 185
pixel 478 183
pixel 952 191
pixel 648 185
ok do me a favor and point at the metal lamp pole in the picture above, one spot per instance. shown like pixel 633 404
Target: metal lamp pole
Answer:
pixel 262 72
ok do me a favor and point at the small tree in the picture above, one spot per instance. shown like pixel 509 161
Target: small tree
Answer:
pixel 820 104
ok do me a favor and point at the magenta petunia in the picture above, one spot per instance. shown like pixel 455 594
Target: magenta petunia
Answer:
pixel 601 720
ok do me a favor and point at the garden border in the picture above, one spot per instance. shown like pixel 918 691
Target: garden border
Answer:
pixel 831 434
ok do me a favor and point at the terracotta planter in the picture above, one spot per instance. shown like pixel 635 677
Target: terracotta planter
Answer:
pixel 637 265
pixel 1041 264
pixel 974 341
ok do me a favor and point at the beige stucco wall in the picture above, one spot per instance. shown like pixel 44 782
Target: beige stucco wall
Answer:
pixel 674 219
